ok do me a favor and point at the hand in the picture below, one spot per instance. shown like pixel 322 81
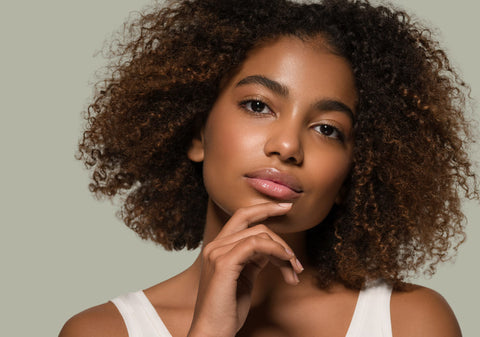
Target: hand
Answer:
pixel 230 265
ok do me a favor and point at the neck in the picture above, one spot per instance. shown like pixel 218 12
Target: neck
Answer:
pixel 269 283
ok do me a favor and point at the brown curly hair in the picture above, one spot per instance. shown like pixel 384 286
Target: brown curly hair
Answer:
pixel 402 207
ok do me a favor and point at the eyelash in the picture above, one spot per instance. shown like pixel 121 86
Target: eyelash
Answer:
pixel 245 106
pixel 340 136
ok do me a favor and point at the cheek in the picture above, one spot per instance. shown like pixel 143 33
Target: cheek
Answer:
pixel 333 176
pixel 230 146
pixel 327 177
pixel 230 140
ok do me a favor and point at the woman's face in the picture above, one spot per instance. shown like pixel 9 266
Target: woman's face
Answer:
pixel 281 130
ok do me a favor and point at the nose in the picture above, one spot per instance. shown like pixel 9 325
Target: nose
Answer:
pixel 284 141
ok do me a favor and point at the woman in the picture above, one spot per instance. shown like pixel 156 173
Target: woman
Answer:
pixel 316 152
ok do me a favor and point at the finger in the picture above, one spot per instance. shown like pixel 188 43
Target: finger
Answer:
pixel 287 269
pixel 252 250
pixel 264 232
pixel 244 217
pixel 262 229
pixel 218 248
pixel 258 262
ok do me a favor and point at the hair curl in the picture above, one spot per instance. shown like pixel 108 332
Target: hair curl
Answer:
pixel 402 206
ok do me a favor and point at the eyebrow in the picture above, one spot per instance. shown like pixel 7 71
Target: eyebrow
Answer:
pixel 274 86
pixel 323 105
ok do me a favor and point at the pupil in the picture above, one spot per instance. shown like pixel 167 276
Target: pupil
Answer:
pixel 326 130
pixel 257 106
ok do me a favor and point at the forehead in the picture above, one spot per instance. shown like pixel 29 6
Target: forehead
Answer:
pixel 301 65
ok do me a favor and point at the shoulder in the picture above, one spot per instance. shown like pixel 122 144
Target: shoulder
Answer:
pixel 101 321
pixel 420 311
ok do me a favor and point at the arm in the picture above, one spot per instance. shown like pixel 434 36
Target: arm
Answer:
pixel 422 312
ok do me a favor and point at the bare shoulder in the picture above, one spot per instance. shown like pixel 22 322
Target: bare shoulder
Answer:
pixel 420 311
pixel 100 321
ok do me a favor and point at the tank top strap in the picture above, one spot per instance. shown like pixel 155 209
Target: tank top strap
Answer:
pixel 139 315
pixel 371 317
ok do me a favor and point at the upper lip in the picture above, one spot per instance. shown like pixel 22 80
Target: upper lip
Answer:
pixel 278 177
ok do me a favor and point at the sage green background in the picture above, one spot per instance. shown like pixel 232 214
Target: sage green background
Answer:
pixel 61 250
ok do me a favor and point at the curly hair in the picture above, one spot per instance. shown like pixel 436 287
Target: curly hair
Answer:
pixel 401 213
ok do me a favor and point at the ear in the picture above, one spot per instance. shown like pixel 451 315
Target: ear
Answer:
pixel 196 151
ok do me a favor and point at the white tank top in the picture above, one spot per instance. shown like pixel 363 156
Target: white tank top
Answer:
pixel 370 319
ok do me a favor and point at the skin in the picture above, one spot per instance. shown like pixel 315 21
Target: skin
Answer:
pixel 253 243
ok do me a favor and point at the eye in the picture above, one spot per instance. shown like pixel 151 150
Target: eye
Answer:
pixel 329 131
pixel 256 106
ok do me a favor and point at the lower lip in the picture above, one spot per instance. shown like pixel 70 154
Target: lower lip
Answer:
pixel 272 189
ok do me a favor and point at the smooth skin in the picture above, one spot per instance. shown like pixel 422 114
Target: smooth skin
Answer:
pixel 249 279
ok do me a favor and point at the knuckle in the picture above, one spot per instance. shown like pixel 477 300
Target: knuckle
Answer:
pixel 264 235
pixel 262 228
pixel 221 262
pixel 252 241
pixel 209 252
pixel 214 255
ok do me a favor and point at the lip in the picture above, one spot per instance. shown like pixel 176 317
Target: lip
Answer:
pixel 275 184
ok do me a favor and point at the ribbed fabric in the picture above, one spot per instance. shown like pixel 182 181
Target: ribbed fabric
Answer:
pixel 370 319
pixel 140 316
pixel 372 313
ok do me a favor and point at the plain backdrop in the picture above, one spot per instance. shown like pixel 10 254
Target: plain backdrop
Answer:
pixel 61 250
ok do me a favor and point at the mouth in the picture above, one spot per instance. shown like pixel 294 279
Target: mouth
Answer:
pixel 275 184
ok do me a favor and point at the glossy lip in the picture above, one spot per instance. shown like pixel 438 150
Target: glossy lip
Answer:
pixel 275 184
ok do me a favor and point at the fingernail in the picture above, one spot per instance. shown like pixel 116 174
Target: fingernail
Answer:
pixel 289 252
pixel 285 204
pixel 295 276
pixel 299 264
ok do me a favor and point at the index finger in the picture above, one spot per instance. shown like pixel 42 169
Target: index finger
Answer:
pixel 246 216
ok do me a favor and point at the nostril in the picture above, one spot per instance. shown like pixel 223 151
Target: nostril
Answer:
pixel 292 160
